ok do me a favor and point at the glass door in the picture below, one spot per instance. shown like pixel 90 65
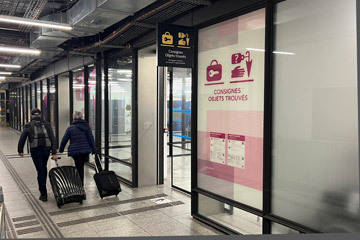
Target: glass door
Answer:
pixel 179 115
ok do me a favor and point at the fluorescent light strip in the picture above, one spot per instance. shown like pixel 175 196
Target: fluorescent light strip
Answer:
pixel 9 65
pixel 255 49
pixel 20 50
pixel 275 52
pixel 2 78
pixel 5 73
pixel 34 22
pixel 284 53
pixel 124 71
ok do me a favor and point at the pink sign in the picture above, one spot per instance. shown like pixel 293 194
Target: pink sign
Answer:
pixel 236 137
pixel 217 135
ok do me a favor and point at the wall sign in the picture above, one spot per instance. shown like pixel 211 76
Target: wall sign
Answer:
pixel 175 46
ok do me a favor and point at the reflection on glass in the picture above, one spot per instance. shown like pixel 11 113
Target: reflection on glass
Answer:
pixel 38 95
pixel 181 128
pixel 79 91
pixel 45 100
pixel 28 103
pixel 92 98
pixel 120 115
pixel 315 141
pixel 121 169
pixel 280 229
pixel 33 100
pixel 243 222
pixel 52 102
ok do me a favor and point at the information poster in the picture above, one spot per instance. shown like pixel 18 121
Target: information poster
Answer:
pixel 231 108
pixel 217 147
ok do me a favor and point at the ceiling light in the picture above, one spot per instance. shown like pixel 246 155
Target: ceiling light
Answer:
pixel 20 50
pixel 2 78
pixel 9 65
pixel 34 22
pixel 5 73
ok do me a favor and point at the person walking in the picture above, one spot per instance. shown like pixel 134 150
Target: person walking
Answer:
pixel 41 138
pixel 82 142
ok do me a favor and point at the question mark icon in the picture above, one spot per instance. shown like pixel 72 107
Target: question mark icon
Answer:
pixel 236 58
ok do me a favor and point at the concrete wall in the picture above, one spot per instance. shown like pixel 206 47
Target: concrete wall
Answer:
pixel 147 115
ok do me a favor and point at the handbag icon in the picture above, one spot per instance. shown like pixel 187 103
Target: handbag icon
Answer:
pixel 214 71
pixel 167 39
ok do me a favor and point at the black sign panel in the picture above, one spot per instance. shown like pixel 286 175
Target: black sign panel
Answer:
pixel 175 46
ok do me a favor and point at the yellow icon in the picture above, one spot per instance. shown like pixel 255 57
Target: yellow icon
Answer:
pixel 167 39
pixel 184 40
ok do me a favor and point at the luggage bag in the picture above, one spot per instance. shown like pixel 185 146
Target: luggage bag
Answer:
pixel 66 185
pixel 106 181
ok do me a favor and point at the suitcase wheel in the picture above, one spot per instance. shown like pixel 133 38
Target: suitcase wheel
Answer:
pixel 81 202
pixel 59 206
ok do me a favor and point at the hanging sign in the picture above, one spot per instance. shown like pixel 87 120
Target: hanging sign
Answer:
pixel 175 46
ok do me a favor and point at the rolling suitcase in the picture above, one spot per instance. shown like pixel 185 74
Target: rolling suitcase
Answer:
pixel 66 185
pixel 106 181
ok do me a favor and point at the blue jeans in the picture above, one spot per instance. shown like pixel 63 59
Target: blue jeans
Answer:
pixel 40 158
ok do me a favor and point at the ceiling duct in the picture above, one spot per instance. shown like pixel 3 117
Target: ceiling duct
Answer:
pixel 88 17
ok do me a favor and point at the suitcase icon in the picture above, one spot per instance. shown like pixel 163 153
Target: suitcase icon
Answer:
pixel 214 71
pixel 167 38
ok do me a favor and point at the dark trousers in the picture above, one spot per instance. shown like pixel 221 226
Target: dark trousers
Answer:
pixel 40 158
pixel 80 161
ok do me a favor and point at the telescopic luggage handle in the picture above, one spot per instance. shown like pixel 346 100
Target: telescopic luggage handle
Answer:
pixel 56 162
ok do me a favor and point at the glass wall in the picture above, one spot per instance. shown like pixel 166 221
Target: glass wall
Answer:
pixel 45 110
pixel 28 103
pixel 79 91
pixel 38 95
pixel 92 97
pixel 315 117
pixel 120 115
pixel 64 103
pixel 22 98
pixel 230 108
pixel 53 104
pixel 181 128
pixel 33 96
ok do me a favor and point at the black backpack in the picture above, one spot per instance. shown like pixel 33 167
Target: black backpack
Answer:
pixel 39 135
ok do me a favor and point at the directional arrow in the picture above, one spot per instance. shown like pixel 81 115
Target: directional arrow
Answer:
pixel 248 67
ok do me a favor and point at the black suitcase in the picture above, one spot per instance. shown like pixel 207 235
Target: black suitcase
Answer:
pixel 106 181
pixel 66 185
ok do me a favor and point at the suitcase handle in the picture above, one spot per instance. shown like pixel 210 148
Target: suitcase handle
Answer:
pixel 56 162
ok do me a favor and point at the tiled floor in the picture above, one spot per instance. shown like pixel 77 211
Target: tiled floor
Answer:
pixel 132 213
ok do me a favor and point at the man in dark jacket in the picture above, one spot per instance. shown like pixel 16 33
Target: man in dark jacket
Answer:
pixel 82 142
pixel 41 138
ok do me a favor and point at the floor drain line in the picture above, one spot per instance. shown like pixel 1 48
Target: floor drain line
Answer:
pixel 45 220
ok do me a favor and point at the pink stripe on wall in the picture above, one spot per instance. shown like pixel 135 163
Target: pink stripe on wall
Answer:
pixel 251 176
pixel 245 123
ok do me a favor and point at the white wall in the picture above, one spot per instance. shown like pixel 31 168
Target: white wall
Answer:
pixel 147 115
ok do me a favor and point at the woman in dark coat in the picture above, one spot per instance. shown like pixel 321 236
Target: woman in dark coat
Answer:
pixel 81 142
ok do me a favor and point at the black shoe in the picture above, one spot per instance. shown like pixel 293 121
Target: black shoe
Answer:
pixel 43 198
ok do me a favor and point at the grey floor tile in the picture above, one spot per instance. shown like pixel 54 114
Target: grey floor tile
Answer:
pixel 120 222
pixel 95 212
pixel 78 228
pixel 156 228
pixel 129 231
pixel 80 234
pixel 179 232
